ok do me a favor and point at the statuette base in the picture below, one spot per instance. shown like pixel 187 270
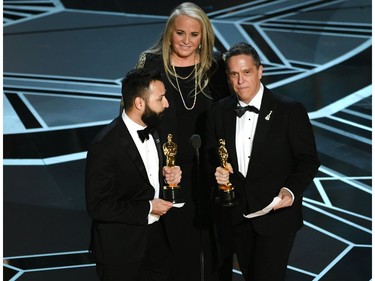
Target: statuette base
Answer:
pixel 172 194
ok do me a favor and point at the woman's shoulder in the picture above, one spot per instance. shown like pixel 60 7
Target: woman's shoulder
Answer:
pixel 217 61
pixel 217 56
pixel 218 78
pixel 146 58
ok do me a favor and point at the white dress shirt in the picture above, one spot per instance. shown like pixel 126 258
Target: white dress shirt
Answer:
pixel 150 158
pixel 245 131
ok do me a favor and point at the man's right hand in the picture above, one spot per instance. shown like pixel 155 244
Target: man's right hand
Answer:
pixel 222 174
pixel 160 207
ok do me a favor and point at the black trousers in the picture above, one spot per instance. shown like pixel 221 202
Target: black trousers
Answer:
pixel 155 265
pixel 262 258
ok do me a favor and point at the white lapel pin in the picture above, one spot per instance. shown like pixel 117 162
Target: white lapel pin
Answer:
pixel 268 116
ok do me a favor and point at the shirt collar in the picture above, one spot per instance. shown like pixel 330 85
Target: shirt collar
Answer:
pixel 130 124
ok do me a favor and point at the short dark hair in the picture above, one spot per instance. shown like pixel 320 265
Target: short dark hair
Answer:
pixel 243 48
pixel 136 83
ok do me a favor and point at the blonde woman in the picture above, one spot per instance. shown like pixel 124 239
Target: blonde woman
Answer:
pixel 194 76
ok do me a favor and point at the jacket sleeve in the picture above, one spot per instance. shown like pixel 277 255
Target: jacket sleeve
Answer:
pixel 111 194
pixel 302 142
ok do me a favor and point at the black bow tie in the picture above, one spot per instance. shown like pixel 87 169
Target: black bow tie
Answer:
pixel 144 134
pixel 240 110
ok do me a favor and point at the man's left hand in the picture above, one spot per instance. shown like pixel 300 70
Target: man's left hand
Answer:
pixel 286 199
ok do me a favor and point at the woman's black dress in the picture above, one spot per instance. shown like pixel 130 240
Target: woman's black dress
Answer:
pixel 190 228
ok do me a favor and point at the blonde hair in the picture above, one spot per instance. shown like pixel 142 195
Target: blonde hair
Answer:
pixel 205 51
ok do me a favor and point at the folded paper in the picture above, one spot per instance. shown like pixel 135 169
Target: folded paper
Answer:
pixel 265 210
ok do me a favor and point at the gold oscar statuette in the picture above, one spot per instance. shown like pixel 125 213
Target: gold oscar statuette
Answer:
pixel 227 191
pixel 171 192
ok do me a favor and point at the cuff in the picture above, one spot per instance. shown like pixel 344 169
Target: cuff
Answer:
pixel 151 217
pixel 291 193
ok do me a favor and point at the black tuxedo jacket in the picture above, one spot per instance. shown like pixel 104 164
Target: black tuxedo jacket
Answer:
pixel 283 155
pixel 117 195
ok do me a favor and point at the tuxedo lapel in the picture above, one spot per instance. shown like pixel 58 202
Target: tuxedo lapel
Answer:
pixel 130 147
pixel 265 120
pixel 156 137
pixel 230 129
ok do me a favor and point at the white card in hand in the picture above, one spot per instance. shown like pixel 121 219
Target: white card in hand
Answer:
pixel 178 205
pixel 265 210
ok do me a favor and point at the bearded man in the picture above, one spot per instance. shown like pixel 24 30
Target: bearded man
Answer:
pixel 124 175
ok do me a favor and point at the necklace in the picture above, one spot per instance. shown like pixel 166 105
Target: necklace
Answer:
pixel 179 89
pixel 184 78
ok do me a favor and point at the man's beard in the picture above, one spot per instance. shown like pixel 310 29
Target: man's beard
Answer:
pixel 150 117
